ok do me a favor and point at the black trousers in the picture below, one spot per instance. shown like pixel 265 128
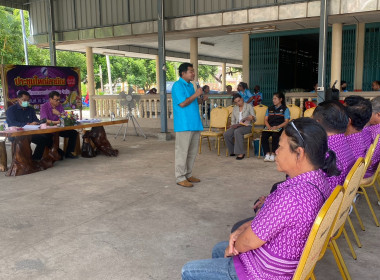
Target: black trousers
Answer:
pixel 265 140
pixel 41 141
pixel 72 135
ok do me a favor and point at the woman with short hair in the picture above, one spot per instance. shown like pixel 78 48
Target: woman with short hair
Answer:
pixel 270 246
pixel 241 123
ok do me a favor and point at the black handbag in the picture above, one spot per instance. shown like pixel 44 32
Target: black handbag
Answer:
pixel 87 150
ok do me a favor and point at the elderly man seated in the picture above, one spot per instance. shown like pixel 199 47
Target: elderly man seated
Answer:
pixel 51 111
pixel 21 114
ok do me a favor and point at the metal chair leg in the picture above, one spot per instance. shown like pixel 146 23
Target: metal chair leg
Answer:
pixel 339 260
pixel 354 232
pixel 370 206
pixel 358 217
pixel 248 146
pixel 218 146
pixel 259 154
pixel 349 244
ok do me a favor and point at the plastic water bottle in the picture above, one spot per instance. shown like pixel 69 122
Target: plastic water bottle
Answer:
pixel 62 122
pixel 5 125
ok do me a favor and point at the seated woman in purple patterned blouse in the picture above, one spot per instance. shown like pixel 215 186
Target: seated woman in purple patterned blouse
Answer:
pixel 270 246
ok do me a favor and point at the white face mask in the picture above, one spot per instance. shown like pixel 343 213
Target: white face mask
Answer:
pixel 25 104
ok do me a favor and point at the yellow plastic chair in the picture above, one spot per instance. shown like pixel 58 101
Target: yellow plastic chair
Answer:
pixel 350 187
pixel 260 111
pixel 319 236
pixel 230 109
pixel 295 111
pixel 371 181
pixel 218 125
pixel 249 137
pixel 309 112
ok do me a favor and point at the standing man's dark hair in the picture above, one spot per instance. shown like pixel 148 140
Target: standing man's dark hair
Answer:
pixel 332 116
pixel 183 68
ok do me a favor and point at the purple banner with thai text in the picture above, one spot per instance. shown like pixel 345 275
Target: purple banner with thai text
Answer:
pixel 39 81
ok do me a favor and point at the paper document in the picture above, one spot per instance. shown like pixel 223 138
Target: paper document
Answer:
pixel 89 121
pixel 31 127
pixel 273 130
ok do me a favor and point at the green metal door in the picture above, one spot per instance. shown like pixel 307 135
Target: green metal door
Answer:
pixel 348 56
pixel 264 59
pixel 371 69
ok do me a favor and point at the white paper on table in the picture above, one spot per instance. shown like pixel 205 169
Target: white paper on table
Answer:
pixel 89 121
pixel 31 127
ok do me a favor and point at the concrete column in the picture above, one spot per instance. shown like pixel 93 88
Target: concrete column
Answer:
pixel 245 39
pixel 359 56
pixel 224 76
pixel 336 54
pixel 90 80
pixel 194 55
pixel 157 74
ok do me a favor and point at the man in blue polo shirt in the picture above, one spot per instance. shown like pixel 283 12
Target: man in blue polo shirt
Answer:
pixel 187 124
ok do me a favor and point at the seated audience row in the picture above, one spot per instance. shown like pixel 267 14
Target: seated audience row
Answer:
pixel 271 245
pixel 316 155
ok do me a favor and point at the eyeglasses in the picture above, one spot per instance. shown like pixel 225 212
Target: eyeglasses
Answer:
pixel 294 126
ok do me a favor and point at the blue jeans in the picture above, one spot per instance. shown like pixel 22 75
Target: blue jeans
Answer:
pixel 217 268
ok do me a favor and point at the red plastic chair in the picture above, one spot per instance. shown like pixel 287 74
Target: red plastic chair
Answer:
pixel 310 104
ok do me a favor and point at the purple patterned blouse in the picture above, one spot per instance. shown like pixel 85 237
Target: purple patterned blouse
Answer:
pixel 345 159
pixel 284 222
pixel 359 143
pixel 371 132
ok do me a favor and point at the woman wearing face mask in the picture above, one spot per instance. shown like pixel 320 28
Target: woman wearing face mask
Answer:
pixel 21 114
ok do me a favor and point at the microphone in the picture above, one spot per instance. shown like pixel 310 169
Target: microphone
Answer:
pixel 198 86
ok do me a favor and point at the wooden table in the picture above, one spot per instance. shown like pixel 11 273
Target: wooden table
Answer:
pixel 22 162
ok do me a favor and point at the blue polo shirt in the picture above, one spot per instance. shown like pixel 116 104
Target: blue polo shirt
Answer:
pixel 246 95
pixel 186 118
pixel 19 116
pixel 286 113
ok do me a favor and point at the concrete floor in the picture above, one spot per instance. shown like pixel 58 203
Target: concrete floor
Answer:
pixel 125 218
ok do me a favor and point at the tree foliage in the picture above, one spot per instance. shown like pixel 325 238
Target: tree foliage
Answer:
pixel 137 72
